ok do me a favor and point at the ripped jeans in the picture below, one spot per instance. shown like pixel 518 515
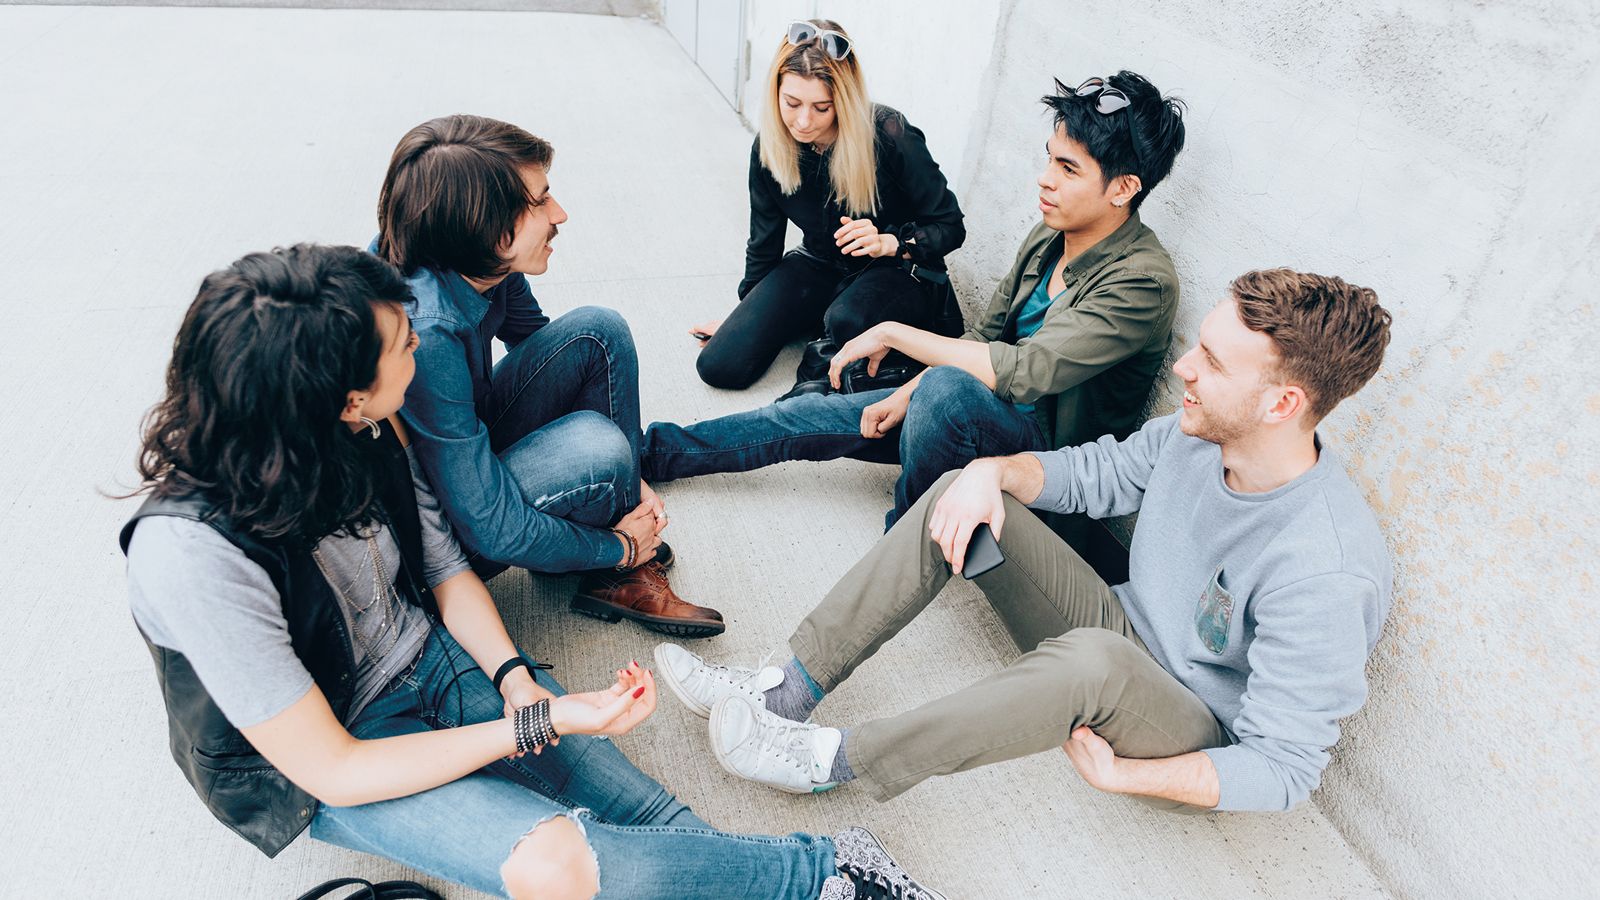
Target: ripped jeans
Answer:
pixel 646 842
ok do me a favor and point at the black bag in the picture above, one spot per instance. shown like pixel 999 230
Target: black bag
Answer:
pixel 366 890
pixel 811 376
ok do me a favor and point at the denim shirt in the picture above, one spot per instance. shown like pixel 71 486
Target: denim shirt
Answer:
pixel 447 411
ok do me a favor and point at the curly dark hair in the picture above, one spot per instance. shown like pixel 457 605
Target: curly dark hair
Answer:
pixel 261 369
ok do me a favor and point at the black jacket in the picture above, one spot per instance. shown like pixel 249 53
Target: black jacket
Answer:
pixel 914 203
pixel 235 782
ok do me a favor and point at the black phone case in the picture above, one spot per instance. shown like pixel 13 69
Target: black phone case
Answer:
pixel 983 552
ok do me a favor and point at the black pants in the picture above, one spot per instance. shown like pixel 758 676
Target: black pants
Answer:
pixel 799 299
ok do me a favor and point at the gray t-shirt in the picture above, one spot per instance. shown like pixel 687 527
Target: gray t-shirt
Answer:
pixel 193 591
pixel 1264 605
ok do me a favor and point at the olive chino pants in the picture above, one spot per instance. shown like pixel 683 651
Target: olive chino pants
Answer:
pixel 1081 662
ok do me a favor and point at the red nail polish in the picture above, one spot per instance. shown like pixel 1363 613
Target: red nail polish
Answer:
pixel 639 693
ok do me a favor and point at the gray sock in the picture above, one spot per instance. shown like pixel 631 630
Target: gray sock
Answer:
pixel 841 767
pixel 796 695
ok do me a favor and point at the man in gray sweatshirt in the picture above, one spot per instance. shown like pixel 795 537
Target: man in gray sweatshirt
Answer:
pixel 1215 678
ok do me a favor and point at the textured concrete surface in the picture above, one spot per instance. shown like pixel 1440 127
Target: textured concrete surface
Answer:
pixel 144 147
pixel 1442 154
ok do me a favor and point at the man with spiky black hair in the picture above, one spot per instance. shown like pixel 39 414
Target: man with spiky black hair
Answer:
pixel 1066 351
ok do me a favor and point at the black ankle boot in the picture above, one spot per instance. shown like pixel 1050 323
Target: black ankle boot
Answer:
pixel 811 376
pixel 814 360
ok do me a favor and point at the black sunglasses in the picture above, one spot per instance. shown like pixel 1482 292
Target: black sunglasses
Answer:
pixel 1107 101
pixel 836 45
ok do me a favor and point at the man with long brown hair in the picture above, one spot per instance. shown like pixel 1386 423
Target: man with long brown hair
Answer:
pixel 536 457
pixel 1215 678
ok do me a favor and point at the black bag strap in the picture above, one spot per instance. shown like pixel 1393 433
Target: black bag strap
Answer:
pixel 383 890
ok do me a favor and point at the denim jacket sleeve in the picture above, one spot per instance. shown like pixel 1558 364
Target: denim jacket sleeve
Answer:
pixel 473 485
pixel 523 315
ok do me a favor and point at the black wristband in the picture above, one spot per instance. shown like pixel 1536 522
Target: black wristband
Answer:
pixel 515 662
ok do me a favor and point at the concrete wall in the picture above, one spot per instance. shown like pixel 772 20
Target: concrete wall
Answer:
pixel 1440 153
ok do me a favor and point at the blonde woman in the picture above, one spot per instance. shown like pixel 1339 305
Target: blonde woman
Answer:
pixel 876 213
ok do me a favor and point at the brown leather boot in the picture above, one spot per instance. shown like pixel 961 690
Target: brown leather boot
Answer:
pixel 643 595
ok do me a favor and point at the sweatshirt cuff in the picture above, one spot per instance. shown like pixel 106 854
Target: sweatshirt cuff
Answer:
pixel 1057 481
pixel 1246 781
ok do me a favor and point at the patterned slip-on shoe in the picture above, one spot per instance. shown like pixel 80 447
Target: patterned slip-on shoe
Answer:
pixel 858 853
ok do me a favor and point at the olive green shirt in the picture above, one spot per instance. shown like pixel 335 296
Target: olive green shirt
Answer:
pixel 1089 367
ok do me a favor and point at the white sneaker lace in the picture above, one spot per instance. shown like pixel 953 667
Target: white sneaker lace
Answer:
pixel 790 743
pixel 737 675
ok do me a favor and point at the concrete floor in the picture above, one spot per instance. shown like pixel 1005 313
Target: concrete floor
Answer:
pixel 142 148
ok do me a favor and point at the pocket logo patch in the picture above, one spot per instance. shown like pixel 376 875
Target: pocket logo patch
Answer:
pixel 1214 614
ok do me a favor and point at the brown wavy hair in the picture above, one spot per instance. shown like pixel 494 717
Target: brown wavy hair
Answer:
pixel 454 192
pixel 1330 335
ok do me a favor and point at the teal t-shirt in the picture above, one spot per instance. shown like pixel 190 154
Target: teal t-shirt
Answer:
pixel 1031 316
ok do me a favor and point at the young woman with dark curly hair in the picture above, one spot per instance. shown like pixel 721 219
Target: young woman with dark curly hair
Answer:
pixel 330 661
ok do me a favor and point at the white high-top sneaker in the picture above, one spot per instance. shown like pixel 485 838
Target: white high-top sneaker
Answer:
pixel 700 684
pixel 761 746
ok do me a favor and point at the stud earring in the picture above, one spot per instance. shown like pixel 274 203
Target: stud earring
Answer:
pixel 376 432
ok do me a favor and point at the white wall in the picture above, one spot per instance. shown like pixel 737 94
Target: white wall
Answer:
pixel 1441 153
pixel 918 57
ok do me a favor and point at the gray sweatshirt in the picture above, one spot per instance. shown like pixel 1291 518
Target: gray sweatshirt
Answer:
pixel 1264 605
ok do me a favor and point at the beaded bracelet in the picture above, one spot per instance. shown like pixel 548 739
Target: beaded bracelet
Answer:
pixel 633 550
pixel 532 726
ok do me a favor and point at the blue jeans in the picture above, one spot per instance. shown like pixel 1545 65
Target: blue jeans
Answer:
pixel 646 843
pixel 563 415
pixel 952 419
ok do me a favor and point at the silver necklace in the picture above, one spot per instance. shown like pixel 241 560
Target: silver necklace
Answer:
pixel 383 591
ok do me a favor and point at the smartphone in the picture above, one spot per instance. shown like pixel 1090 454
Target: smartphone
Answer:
pixel 700 335
pixel 983 552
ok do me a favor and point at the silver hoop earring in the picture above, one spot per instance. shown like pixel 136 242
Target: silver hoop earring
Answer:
pixel 376 432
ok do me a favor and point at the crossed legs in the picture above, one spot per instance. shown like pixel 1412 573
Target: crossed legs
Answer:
pixel 1081 662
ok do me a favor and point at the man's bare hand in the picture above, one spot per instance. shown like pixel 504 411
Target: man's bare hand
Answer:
pixel 974 497
pixel 1093 758
pixel 871 345
pixel 882 417
pixel 644 526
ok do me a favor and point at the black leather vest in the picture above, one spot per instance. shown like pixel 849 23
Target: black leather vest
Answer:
pixel 235 782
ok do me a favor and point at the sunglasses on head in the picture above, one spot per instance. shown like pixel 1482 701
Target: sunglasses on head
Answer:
pixel 1107 101
pixel 1107 98
pixel 836 45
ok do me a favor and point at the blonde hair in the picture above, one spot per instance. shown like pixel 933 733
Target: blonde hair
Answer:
pixel 852 167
